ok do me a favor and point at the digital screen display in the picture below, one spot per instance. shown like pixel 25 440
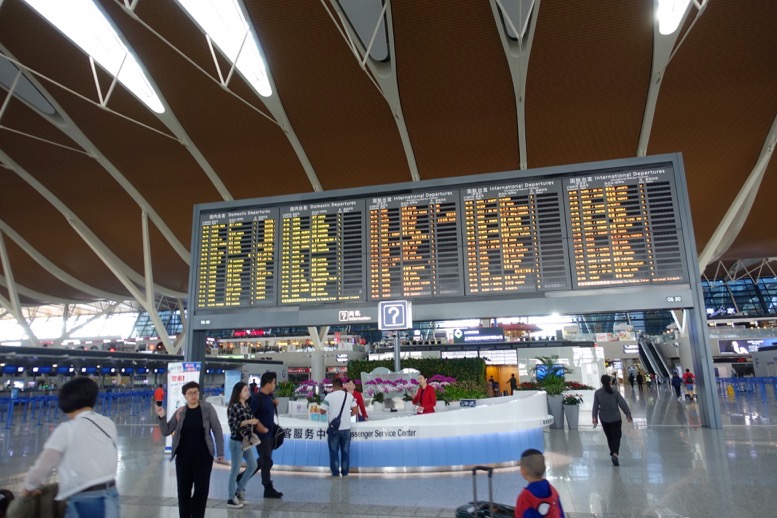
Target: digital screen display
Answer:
pixel 414 246
pixel 236 259
pixel 624 228
pixel 516 235
pixel 515 238
pixel 322 252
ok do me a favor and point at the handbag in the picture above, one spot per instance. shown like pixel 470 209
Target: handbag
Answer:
pixel 279 434
pixel 250 440
pixel 334 424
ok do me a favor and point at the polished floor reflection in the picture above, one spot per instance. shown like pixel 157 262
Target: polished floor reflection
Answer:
pixel 670 467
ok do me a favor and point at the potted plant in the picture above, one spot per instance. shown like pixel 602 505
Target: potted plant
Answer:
pixel 571 404
pixel 549 375
pixel 378 401
pixel 284 391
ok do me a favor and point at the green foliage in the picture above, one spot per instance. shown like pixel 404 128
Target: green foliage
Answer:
pixel 466 390
pixel 463 369
pixel 284 389
pixel 572 399
pixel 315 398
pixel 378 398
pixel 553 385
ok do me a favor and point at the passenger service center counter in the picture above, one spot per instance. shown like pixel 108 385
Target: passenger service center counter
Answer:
pixel 494 432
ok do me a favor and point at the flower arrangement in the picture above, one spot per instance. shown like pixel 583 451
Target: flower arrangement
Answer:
pixel 307 390
pixel 572 399
pixel 576 385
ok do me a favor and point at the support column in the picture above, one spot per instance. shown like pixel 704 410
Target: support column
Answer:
pixel 317 366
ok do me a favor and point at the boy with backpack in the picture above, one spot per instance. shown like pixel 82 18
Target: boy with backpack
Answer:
pixel 538 498
pixel 690 380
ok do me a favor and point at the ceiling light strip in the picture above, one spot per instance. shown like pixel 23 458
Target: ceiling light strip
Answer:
pixel 199 68
pixel 87 26
pixel 90 101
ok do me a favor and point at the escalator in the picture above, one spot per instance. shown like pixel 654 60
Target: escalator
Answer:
pixel 651 359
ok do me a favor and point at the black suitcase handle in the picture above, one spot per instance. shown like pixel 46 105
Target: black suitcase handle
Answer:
pixel 490 472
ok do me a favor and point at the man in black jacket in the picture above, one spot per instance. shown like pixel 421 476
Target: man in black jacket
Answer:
pixel 263 407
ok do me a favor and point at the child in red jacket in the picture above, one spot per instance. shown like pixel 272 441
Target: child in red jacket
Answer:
pixel 538 498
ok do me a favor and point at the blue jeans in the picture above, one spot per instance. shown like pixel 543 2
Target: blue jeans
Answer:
pixel 236 453
pixel 340 441
pixel 93 504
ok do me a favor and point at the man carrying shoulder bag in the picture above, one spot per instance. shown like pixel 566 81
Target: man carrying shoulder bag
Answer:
pixel 340 440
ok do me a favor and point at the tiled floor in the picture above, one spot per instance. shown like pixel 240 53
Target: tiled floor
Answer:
pixel 670 467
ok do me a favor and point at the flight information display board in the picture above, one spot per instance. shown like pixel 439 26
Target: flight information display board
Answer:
pixel 624 228
pixel 236 258
pixel 515 239
pixel 514 235
pixel 414 246
pixel 322 252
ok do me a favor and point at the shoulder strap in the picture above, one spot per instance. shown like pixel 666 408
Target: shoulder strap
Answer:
pixel 345 398
pixel 103 431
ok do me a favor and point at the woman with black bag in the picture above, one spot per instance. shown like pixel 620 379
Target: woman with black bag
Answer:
pixel 241 424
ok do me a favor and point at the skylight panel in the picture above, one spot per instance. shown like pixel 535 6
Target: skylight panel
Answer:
pixel 224 23
pixel 669 14
pixel 88 27
pixel 24 89
pixel 364 15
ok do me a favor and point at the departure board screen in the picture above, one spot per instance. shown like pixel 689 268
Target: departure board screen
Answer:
pixel 624 228
pixel 237 258
pixel 515 238
pixel 510 236
pixel 414 246
pixel 322 252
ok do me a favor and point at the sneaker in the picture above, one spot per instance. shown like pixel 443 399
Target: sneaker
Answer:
pixel 270 492
pixel 615 461
pixel 234 503
pixel 241 496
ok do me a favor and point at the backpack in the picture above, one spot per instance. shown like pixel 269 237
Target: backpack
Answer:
pixel 688 378
pixel 546 507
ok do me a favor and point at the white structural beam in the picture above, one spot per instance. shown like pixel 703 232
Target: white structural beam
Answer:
pixel 664 47
pixel 382 73
pixel 53 269
pixel 737 213
pixel 106 257
pixel 13 305
pixel 150 297
pixel 84 231
pixel 273 104
pixel 516 21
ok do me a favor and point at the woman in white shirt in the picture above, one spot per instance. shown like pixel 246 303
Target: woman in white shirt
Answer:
pixel 84 452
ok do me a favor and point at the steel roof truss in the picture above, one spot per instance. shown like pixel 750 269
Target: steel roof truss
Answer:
pixel 13 304
pixel 382 74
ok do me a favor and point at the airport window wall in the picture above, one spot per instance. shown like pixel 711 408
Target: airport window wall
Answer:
pixel 744 297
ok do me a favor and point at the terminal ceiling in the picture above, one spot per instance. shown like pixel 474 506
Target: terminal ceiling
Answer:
pixel 448 101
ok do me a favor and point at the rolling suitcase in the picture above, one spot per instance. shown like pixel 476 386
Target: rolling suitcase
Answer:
pixel 481 508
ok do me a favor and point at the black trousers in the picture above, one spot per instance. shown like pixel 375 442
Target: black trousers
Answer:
pixel 193 471
pixel 264 463
pixel 612 431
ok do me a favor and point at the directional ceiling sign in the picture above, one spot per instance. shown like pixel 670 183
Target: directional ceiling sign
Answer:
pixel 395 315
